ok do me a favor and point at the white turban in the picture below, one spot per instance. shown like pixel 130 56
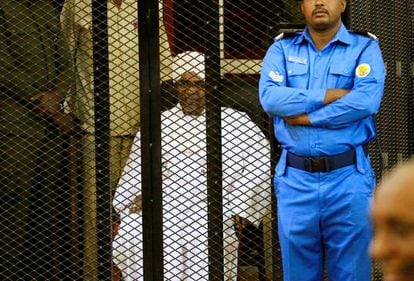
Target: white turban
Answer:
pixel 188 61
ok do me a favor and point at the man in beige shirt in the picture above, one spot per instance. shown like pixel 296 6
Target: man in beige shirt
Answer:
pixel 76 20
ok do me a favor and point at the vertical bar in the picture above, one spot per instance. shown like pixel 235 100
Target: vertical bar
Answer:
pixel 346 16
pixel 221 30
pixel 101 90
pixel 411 102
pixel 149 71
pixel 213 119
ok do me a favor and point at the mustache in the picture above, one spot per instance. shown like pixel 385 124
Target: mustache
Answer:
pixel 319 10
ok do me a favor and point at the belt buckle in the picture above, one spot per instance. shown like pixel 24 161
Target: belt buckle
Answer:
pixel 318 164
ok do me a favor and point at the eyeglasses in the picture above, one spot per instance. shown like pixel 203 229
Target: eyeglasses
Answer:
pixel 182 83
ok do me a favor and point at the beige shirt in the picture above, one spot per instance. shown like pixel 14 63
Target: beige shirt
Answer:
pixel 76 21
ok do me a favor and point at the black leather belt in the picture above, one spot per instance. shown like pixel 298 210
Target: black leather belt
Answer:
pixel 323 163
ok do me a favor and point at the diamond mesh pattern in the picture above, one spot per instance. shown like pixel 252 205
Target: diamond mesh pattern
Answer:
pixel 50 199
pixel 394 121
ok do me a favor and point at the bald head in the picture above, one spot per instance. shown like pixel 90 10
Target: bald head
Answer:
pixel 393 217
pixel 397 186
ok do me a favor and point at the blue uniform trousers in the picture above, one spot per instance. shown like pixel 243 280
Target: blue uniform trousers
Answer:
pixel 325 217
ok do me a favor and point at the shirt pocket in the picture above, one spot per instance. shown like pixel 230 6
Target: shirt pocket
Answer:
pixel 24 38
pixel 341 75
pixel 297 75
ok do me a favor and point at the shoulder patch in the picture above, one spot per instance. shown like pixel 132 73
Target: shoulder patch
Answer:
pixel 288 33
pixel 365 33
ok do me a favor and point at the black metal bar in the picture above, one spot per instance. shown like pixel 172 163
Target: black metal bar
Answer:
pixel 213 119
pixel 411 80
pixel 346 16
pixel 149 70
pixel 101 90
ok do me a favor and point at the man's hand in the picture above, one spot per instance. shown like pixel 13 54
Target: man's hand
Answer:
pixel 298 120
pixel 137 205
pixel 47 104
pixel 332 95
pixel 65 122
pixel 240 224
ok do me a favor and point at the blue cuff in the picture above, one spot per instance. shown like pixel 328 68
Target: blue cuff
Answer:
pixel 317 120
pixel 315 100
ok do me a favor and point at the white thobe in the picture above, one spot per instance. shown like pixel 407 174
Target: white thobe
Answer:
pixel 246 192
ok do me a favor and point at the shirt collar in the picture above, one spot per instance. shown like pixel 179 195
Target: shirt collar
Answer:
pixel 341 36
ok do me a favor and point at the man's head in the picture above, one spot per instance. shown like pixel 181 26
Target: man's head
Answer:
pixel 323 15
pixel 188 75
pixel 393 218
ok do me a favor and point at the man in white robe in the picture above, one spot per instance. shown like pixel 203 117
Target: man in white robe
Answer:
pixel 246 183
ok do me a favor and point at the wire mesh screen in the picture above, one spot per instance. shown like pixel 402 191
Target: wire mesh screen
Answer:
pixel 36 197
pixel 394 124
pixel 394 143
pixel 87 136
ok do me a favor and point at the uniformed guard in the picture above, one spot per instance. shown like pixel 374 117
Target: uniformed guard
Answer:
pixel 35 75
pixel 323 87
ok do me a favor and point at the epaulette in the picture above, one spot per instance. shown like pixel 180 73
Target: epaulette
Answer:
pixel 288 33
pixel 365 33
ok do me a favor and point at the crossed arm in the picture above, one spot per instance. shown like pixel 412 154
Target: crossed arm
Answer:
pixel 331 95
pixel 333 107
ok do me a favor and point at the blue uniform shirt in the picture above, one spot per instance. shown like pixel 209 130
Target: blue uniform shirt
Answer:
pixel 295 76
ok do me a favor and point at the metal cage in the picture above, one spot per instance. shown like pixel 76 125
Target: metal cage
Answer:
pixel 106 73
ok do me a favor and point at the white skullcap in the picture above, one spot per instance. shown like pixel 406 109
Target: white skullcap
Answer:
pixel 188 61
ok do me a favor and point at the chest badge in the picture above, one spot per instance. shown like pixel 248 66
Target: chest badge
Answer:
pixel 363 70
pixel 297 60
